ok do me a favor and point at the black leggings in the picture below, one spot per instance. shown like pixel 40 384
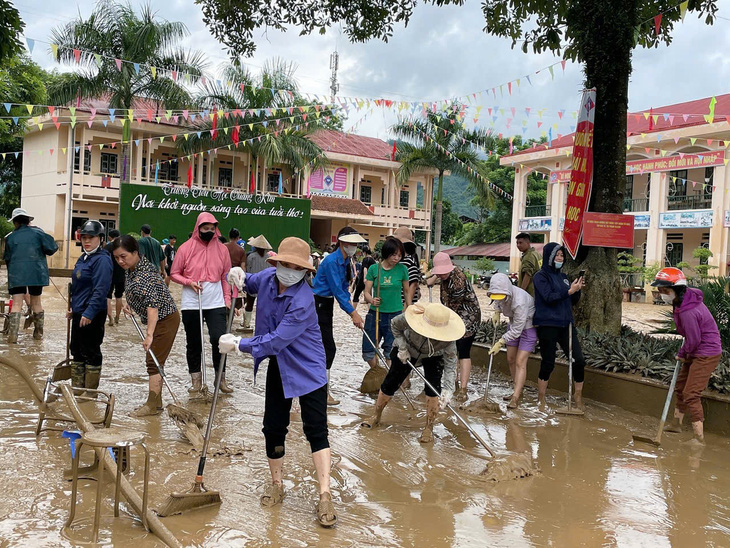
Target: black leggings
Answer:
pixel 215 318
pixel 359 288
pixel 550 337
pixel 86 341
pixel 277 409
pixel 325 312
pixel 433 369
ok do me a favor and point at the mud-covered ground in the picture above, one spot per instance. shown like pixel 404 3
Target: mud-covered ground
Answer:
pixel 596 488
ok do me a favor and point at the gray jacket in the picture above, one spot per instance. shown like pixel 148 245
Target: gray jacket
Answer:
pixel 519 306
pixel 420 347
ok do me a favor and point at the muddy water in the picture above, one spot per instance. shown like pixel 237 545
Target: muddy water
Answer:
pixel 596 486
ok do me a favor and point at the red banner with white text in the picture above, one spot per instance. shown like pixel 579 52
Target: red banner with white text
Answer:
pixel 581 173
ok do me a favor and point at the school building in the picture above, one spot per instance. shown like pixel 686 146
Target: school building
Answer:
pixel 676 185
pixel 358 187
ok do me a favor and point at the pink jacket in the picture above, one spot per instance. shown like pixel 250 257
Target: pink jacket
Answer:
pixel 198 261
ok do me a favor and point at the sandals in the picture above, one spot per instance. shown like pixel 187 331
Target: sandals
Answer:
pixel 326 511
pixel 273 495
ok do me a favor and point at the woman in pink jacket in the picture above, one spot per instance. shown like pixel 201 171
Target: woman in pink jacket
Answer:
pixel 201 265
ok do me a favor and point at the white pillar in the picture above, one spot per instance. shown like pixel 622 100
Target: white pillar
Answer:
pixel 518 211
pixel 656 239
pixel 718 231
pixel 150 170
pixel 137 155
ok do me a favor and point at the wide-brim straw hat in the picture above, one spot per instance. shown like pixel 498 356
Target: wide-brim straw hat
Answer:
pixel 404 234
pixel 260 242
pixel 435 321
pixel 350 236
pixel 442 263
pixel 292 250
pixel 20 212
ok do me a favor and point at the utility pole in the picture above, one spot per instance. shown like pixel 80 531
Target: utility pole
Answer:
pixel 70 194
pixel 334 63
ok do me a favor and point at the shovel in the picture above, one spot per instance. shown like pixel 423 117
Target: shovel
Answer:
pixel 385 364
pixel 657 441
pixel 62 371
pixel 188 421
pixel 570 410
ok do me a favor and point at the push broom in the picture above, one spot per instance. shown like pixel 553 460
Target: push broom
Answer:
pixel 570 410
pixel 199 496
pixel 657 441
pixel 488 405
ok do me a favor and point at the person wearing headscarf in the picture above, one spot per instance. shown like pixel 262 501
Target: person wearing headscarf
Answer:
pixel 201 266
pixel 331 283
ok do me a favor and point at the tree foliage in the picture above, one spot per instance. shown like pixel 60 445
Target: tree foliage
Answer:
pixel 11 29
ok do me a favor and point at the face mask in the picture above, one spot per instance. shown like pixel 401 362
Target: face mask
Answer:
pixel 667 298
pixel 89 253
pixel 289 276
pixel 206 236
pixel 558 265
pixel 350 250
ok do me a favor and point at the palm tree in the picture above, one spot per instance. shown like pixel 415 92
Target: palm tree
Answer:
pixel 281 144
pixel 441 142
pixel 115 31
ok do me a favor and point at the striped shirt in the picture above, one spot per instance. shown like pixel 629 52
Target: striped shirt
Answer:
pixel 414 275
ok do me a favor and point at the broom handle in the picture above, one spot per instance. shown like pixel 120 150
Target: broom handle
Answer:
pixel 489 370
pixel 668 400
pixel 157 363
pixel 202 334
pixel 456 414
pixel 377 308
pixel 385 364
pixel 570 365
pixel 216 391
pixel 68 326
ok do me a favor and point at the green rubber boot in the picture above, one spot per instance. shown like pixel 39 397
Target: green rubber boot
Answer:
pixel 78 373
pixel 38 320
pixel 13 326
pixel 91 379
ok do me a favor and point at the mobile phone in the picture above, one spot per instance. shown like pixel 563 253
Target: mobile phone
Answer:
pixel 582 274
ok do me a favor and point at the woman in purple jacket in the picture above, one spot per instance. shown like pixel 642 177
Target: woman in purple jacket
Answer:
pixel 288 334
pixel 700 354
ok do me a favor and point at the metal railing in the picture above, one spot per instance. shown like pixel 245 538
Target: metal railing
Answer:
pixel 537 211
pixel 636 204
pixel 694 201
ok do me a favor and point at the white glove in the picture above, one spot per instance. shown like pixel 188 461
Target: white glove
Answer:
pixel 403 355
pixel 445 398
pixel 236 276
pixel 228 343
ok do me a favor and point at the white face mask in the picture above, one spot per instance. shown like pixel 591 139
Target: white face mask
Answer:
pixel 289 276
pixel 668 298
pixel 558 264
pixel 350 250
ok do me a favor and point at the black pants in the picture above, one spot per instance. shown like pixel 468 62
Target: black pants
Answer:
pixel 215 319
pixel 277 409
pixel 359 288
pixel 325 313
pixel 86 341
pixel 550 337
pixel 433 369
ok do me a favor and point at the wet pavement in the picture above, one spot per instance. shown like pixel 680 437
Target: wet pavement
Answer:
pixel 596 487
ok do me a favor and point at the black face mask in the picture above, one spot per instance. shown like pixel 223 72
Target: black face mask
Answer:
pixel 206 236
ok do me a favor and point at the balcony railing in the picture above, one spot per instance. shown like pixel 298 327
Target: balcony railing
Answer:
pixel 636 204
pixel 537 211
pixel 695 201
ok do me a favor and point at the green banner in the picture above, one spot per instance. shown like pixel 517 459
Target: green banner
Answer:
pixel 173 209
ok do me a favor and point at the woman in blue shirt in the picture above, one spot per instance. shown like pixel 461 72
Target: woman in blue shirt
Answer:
pixel 287 333
pixel 332 281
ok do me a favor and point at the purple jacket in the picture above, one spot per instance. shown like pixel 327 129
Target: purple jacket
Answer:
pixel 286 327
pixel 695 323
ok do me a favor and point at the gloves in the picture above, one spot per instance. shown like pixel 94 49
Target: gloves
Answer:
pixel 496 317
pixel 496 347
pixel 403 355
pixel 445 398
pixel 236 276
pixel 228 343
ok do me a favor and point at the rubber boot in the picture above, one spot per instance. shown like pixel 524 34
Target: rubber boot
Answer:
pixel 91 379
pixel 197 380
pixel 28 320
pixel 78 374
pixel 374 420
pixel 38 321
pixel 247 319
pixel 432 410
pixel 225 388
pixel 674 426
pixel 153 405
pixel 13 326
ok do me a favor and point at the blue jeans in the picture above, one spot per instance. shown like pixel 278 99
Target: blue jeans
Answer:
pixel 385 334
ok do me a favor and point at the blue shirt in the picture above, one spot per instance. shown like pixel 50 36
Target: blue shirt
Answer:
pixel 287 328
pixel 90 282
pixel 331 279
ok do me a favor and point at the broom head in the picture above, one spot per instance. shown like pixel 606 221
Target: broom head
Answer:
pixel 575 411
pixel 645 439
pixel 197 497
pixel 510 467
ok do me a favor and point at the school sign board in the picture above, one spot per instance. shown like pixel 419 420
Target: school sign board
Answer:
pixel 608 230
pixel 173 209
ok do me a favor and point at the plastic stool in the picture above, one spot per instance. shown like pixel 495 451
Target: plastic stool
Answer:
pixel 118 440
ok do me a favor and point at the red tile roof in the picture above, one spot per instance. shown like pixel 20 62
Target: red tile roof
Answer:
pixel 497 251
pixel 339 205
pixel 690 113
pixel 354 145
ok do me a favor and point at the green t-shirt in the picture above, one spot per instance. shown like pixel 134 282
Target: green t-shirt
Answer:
pixel 529 264
pixel 391 283
pixel 151 248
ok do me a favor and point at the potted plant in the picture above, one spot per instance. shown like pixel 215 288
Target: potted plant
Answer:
pixel 628 268
pixel 703 254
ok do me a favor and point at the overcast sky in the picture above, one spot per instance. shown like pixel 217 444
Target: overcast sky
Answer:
pixel 445 53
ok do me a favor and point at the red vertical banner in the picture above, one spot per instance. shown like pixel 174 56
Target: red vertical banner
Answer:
pixel 581 173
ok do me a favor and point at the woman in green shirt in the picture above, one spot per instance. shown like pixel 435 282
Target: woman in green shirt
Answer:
pixel 389 277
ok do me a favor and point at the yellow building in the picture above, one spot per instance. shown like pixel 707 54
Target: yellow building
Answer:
pixel 677 187
pixel 357 188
